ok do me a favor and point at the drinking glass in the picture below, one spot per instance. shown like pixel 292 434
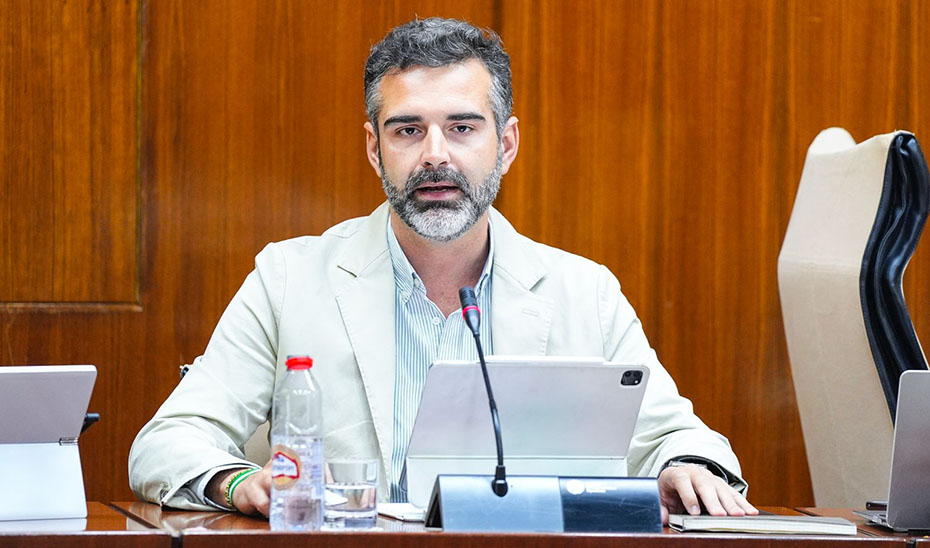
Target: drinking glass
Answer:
pixel 351 498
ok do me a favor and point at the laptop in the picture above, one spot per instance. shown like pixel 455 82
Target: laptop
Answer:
pixel 559 417
pixel 41 414
pixel 909 489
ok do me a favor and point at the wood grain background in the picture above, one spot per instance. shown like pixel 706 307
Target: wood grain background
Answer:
pixel 148 150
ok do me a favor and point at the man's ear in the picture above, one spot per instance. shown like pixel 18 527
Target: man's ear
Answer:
pixel 371 148
pixel 510 143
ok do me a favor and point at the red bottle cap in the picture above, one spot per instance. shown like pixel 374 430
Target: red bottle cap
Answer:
pixel 299 362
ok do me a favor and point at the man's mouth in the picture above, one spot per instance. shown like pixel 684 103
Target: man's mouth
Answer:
pixel 436 188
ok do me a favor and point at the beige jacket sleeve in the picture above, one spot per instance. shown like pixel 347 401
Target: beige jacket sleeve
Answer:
pixel 667 426
pixel 222 399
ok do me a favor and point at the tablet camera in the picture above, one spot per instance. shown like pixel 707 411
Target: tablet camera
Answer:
pixel 631 378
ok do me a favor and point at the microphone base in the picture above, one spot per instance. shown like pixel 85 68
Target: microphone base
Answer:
pixel 546 504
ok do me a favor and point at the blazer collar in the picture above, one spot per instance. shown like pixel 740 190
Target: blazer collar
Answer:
pixel 367 245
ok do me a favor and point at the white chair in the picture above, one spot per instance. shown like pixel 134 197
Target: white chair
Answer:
pixel 857 216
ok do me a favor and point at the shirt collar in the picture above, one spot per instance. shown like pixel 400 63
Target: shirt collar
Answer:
pixel 406 278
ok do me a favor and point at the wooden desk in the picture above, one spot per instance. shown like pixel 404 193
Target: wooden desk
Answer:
pixel 213 529
pixel 864 526
pixel 846 513
pixel 104 528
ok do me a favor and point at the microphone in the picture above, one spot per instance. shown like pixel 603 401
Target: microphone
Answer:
pixel 472 316
pixel 470 311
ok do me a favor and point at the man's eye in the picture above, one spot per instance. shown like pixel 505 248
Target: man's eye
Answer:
pixel 407 131
pixel 461 129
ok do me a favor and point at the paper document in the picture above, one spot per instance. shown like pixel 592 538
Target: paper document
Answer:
pixel 403 511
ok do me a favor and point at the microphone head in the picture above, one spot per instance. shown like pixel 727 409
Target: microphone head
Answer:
pixel 467 297
pixel 470 311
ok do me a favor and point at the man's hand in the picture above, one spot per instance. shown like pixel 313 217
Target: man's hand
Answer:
pixel 682 489
pixel 252 496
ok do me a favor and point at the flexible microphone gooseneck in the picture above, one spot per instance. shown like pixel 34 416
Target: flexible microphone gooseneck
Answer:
pixel 472 316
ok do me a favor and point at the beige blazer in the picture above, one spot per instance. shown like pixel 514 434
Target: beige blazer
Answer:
pixel 332 297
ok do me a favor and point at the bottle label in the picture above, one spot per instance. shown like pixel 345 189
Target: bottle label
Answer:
pixel 285 467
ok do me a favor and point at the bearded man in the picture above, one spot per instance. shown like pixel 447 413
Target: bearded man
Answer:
pixel 375 301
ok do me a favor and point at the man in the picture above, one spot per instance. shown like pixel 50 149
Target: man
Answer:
pixel 374 301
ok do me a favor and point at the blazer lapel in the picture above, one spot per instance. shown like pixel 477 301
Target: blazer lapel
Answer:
pixel 367 307
pixel 520 319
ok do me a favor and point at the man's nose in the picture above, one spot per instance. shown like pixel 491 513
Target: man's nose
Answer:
pixel 435 149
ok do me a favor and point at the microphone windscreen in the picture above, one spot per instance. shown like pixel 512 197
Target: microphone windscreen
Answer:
pixel 470 311
pixel 467 297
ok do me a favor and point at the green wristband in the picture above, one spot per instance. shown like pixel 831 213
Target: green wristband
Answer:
pixel 234 482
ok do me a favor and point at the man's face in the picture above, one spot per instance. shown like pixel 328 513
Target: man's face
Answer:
pixel 438 154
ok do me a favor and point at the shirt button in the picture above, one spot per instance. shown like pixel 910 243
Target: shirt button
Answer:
pixel 436 321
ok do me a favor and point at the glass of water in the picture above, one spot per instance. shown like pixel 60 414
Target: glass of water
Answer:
pixel 351 498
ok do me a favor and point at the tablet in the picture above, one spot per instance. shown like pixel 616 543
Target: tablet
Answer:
pixel 42 410
pixel 559 416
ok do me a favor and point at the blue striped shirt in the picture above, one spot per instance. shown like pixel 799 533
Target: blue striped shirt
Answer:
pixel 422 335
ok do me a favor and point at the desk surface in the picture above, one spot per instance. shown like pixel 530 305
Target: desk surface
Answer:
pixel 104 527
pixel 863 525
pixel 214 529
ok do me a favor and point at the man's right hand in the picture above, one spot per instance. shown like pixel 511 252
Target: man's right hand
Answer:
pixel 252 496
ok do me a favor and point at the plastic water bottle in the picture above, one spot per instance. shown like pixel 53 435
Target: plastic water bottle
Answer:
pixel 297 450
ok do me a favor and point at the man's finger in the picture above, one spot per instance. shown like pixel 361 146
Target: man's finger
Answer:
pixel 725 494
pixel 242 500
pixel 706 486
pixel 249 492
pixel 744 504
pixel 683 485
pixel 262 503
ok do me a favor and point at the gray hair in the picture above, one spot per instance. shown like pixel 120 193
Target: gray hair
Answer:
pixel 437 42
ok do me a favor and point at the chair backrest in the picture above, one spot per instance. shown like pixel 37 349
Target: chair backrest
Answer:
pixel 848 331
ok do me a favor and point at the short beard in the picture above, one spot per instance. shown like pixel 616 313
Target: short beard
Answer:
pixel 443 220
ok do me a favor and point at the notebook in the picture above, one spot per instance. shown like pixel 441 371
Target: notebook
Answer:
pixel 909 488
pixel 767 524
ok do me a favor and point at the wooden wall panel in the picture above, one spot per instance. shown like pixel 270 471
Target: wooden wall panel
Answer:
pixel 673 134
pixel 917 94
pixel 68 204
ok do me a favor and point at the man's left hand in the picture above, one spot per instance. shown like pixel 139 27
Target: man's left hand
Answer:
pixel 683 489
